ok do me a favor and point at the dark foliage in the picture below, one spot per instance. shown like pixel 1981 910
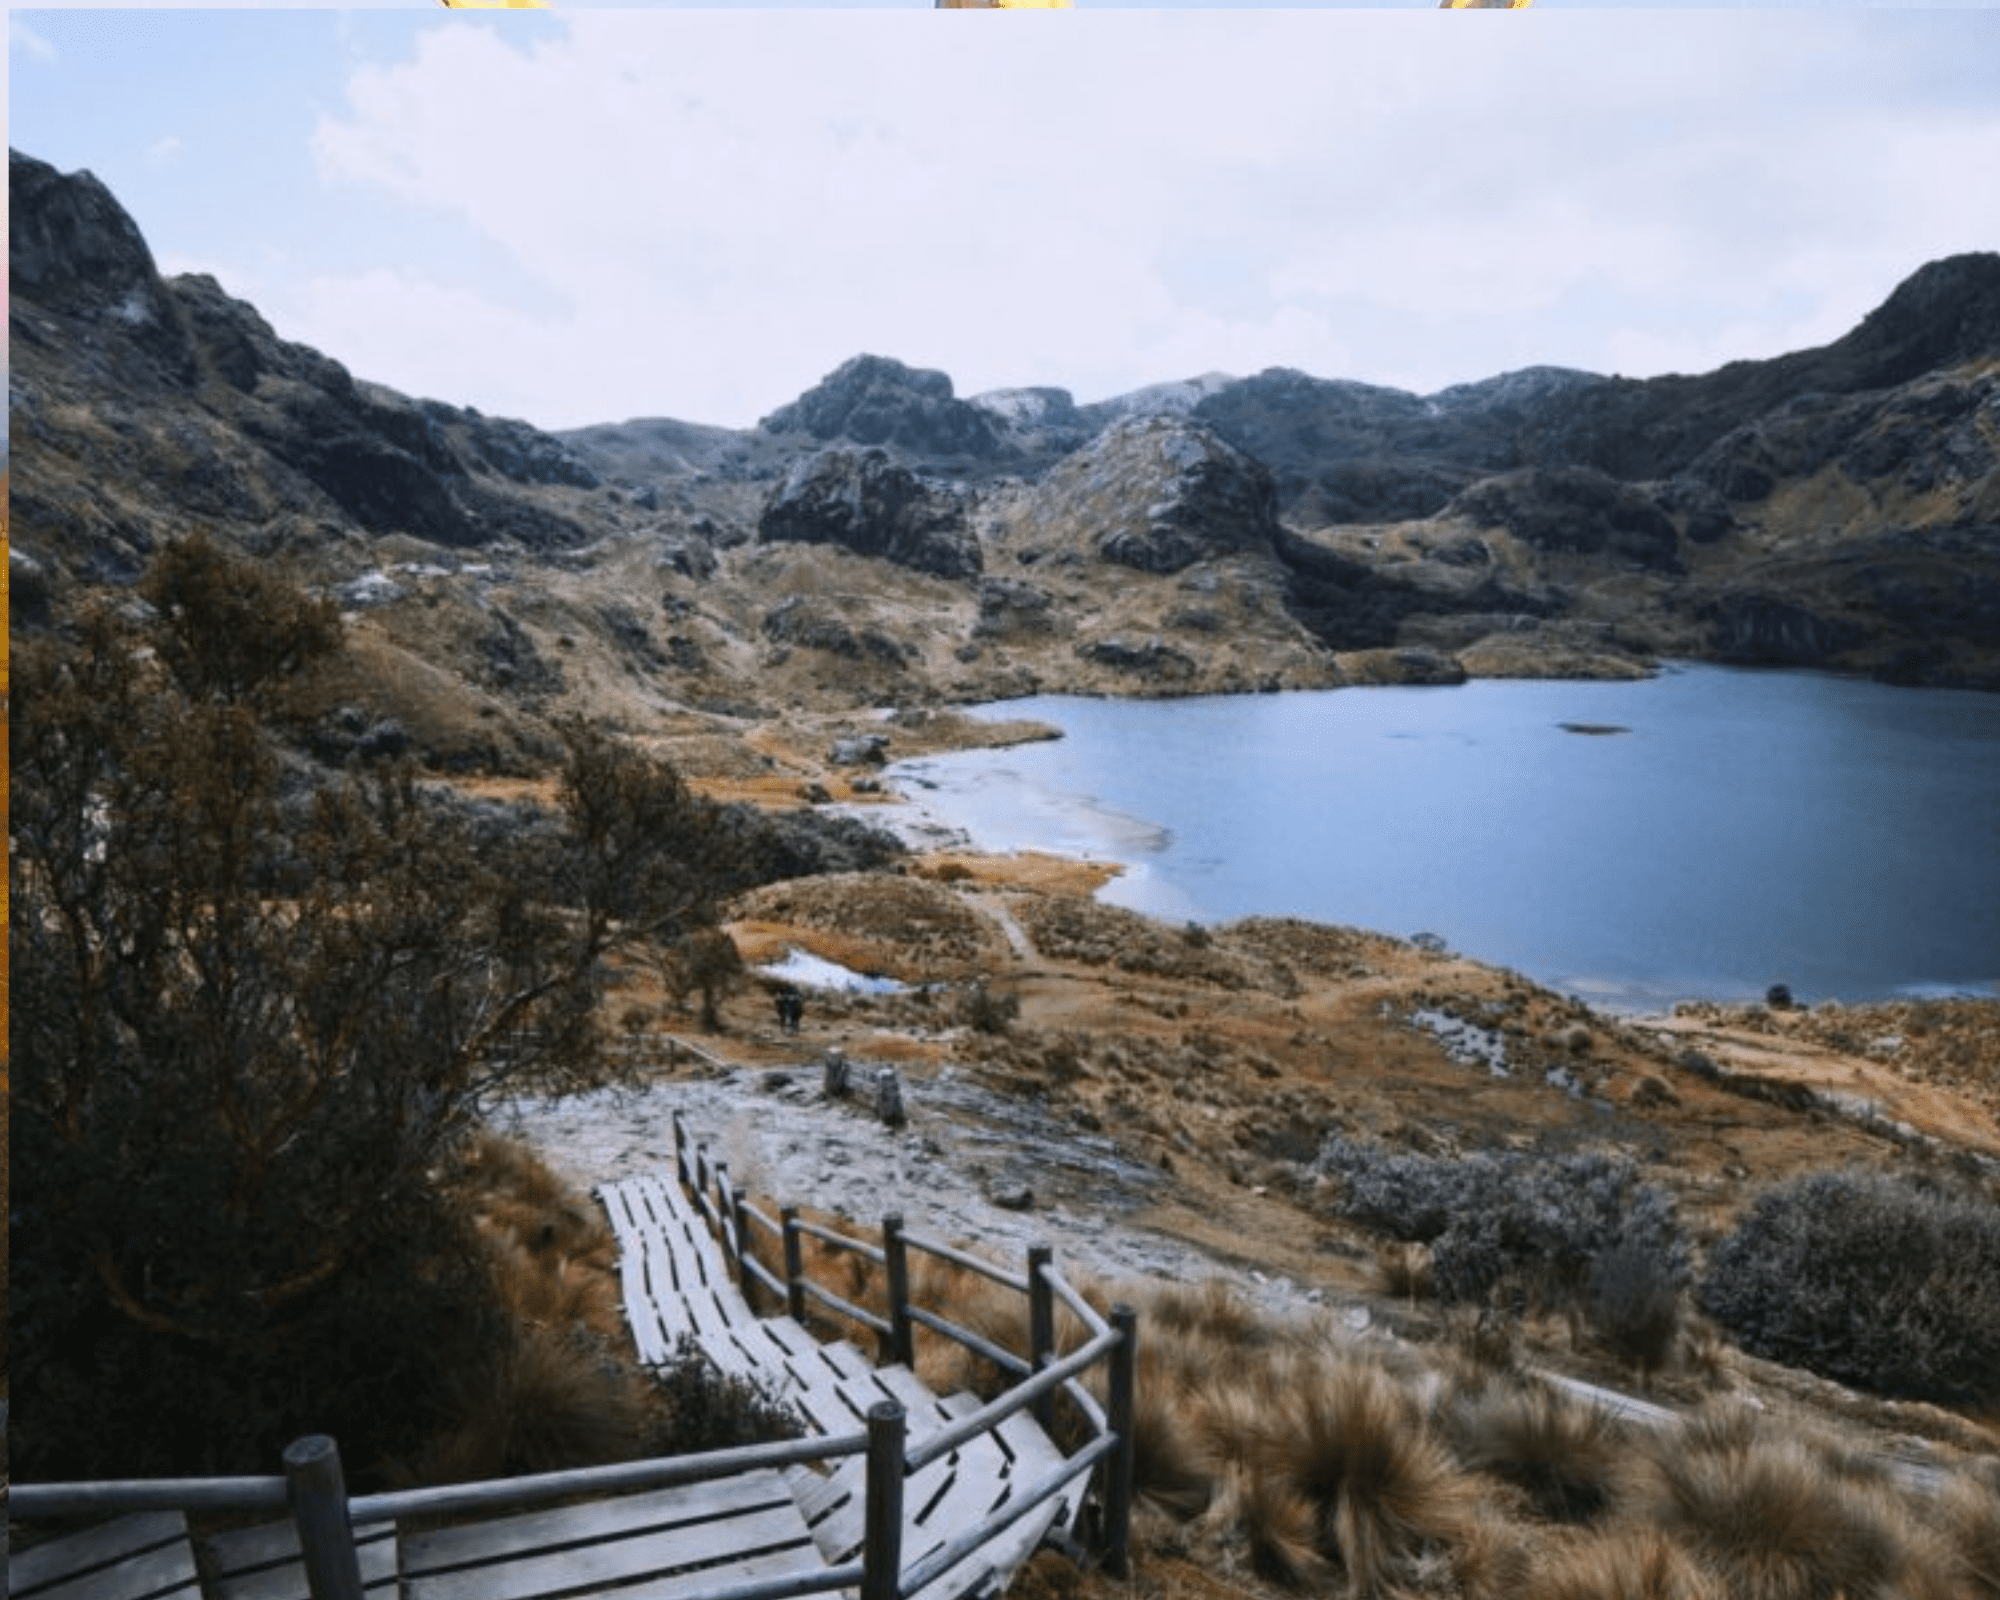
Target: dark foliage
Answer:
pixel 1530 1226
pixel 1885 1281
pixel 230 629
pixel 711 1411
pixel 256 1016
pixel 770 846
pixel 981 1009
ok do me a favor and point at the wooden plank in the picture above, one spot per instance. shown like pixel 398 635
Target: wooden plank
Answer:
pixel 1022 1438
pixel 683 1504
pixel 614 1542
pixel 617 1560
pixel 825 1406
pixel 264 1563
pixel 845 1359
pixel 652 1330
pixel 146 1556
pixel 724 1575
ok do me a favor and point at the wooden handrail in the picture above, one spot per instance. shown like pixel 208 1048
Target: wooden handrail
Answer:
pixel 656 1472
pixel 325 1514
pixel 1017 1399
pixel 840 1241
pixel 992 1270
pixel 1040 1374
pixel 1040 1492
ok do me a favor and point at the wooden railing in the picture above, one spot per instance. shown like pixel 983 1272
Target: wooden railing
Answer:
pixel 313 1489
pixel 1036 1377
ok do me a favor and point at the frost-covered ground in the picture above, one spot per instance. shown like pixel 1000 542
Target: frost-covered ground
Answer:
pixel 963 1145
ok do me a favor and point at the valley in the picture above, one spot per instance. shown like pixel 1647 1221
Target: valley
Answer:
pixel 773 610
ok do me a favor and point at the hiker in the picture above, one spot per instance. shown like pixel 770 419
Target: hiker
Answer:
pixel 791 1009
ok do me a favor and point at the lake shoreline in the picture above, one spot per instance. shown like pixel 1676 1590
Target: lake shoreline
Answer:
pixel 1024 802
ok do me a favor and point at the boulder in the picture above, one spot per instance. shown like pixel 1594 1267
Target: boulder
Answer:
pixel 816 625
pixel 1152 660
pixel 864 502
pixel 860 750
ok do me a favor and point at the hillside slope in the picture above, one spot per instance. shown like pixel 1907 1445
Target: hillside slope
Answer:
pixel 1835 507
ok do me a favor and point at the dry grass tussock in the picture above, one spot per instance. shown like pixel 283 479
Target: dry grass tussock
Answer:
pixel 1776 1515
pixel 558 1386
pixel 1274 1459
pixel 1270 1458
pixel 554 1388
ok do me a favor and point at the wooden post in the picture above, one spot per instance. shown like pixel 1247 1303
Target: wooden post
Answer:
pixel 1041 1324
pixel 318 1496
pixel 795 1267
pixel 725 1213
pixel 682 1168
pixel 889 1098
pixel 882 1546
pixel 1121 1397
pixel 901 1345
pixel 746 1280
pixel 834 1083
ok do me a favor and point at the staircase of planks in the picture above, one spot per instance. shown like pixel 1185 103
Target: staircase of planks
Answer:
pixel 896 1494
pixel 678 1286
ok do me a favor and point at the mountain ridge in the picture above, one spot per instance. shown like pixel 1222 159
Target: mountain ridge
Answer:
pixel 1836 507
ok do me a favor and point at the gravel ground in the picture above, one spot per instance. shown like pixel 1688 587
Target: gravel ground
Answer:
pixel 962 1152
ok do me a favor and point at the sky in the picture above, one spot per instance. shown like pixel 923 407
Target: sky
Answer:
pixel 591 215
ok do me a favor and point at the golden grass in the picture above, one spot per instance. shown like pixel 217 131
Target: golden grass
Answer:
pixel 1763 1511
pixel 1020 869
pixel 554 1388
pixel 1288 1458
pixel 1625 1564
pixel 1571 1462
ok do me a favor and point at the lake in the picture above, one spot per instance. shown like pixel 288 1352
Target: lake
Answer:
pixel 1705 833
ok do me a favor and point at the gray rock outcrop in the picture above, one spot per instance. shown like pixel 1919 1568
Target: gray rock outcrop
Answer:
pixel 1161 493
pixel 1577 510
pixel 862 501
pixel 874 400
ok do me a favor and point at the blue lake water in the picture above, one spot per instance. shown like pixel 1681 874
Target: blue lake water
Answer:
pixel 1748 828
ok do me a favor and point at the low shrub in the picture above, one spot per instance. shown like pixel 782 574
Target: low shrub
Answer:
pixel 708 1410
pixel 984 1011
pixel 1572 1228
pixel 1884 1281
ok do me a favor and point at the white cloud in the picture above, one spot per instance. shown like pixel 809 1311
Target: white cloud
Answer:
pixel 24 38
pixel 709 210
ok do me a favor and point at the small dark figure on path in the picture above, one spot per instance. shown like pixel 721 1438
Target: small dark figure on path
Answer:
pixel 791 1009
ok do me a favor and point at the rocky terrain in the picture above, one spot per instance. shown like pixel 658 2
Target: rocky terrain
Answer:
pixel 881 539
pixel 750 601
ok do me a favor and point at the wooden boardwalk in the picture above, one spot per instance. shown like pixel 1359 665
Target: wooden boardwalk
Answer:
pixel 771 1530
pixel 677 1285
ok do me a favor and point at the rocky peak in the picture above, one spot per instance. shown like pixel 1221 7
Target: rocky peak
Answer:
pixel 1525 386
pixel 874 400
pixel 1944 313
pixel 1176 398
pixel 1160 493
pixel 70 244
pixel 864 502
pixel 73 249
